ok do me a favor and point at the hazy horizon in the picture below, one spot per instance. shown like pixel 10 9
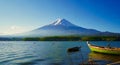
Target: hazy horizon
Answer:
pixel 19 16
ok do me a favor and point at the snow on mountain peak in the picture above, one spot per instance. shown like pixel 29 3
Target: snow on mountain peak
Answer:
pixel 58 22
pixel 63 22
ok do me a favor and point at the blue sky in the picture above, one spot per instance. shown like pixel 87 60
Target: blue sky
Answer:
pixel 18 16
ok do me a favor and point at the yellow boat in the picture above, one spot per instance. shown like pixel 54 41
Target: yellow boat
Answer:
pixel 106 50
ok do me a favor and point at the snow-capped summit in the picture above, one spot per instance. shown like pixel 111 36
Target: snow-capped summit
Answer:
pixel 63 27
pixel 57 22
pixel 63 22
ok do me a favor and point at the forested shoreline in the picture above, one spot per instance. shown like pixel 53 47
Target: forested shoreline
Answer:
pixel 65 38
pixel 73 38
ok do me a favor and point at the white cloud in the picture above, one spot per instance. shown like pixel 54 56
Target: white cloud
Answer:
pixel 13 27
pixel 13 30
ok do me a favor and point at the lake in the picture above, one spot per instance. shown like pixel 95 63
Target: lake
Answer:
pixel 52 53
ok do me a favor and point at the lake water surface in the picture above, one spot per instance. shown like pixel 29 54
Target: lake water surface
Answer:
pixel 52 53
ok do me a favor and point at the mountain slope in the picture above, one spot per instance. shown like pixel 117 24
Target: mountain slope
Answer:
pixel 63 27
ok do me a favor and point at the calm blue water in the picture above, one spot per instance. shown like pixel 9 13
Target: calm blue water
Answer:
pixel 51 53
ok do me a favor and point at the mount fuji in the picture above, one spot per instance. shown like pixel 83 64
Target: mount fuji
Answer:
pixel 63 27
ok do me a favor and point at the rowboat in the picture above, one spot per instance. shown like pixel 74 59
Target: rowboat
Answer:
pixel 74 49
pixel 105 50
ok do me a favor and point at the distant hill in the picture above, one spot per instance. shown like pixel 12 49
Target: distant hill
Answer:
pixel 63 27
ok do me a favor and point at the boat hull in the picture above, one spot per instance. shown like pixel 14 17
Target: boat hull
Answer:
pixel 104 50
